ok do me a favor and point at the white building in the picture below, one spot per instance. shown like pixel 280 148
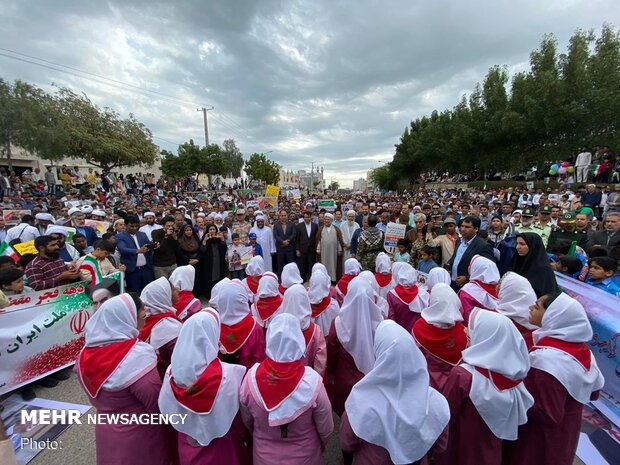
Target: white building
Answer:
pixel 369 184
pixel 360 185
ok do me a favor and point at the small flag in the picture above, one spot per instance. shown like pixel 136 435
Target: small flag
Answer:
pixel 91 265
pixel 573 249
pixel 6 249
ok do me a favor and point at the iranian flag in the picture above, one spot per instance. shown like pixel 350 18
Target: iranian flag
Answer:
pixel 6 249
pixel 91 265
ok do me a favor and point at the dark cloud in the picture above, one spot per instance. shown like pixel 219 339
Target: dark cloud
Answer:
pixel 327 82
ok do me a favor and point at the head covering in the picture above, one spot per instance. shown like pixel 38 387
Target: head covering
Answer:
pixel 320 284
pixel 290 276
pixel 498 361
pixel 189 244
pixel 255 267
pixel 296 303
pixel 407 291
pixel 237 321
pixel 397 267
pixel 399 377
pixel 269 298
pixel 98 213
pixel 147 214
pixel 183 277
pixel 516 296
pixel 44 217
pixel 482 284
pixel 444 309
pixel 113 357
pixel 356 323
pixel 198 384
pixel 74 210
pixel 161 325
pixel 382 264
pixel 561 348
pixel 352 268
pixel 283 386
pixel 329 215
pixel 52 229
pixel 535 265
pixel 87 209
pixel 437 275
pixel 215 292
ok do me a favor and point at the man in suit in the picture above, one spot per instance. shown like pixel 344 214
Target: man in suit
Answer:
pixel 363 215
pixel 466 247
pixel 136 254
pixel 609 238
pixel 306 244
pixel 284 233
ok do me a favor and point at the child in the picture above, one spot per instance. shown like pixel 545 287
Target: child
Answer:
pixel 79 242
pixel 402 253
pixel 568 265
pixel 98 259
pixel 256 247
pixel 602 270
pixel 234 258
pixel 426 262
pixel 6 262
pixel 12 282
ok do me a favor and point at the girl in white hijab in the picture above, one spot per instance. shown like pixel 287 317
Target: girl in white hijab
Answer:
pixel 407 299
pixel 350 352
pixel 383 274
pixel 380 301
pixel 441 334
pixel 216 291
pixel 183 278
pixel 297 303
pixel 437 275
pixel 206 390
pixel 284 404
pixel 351 269
pixel 564 376
pixel 481 289
pixel 254 270
pixel 324 307
pixel 516 296
pixel 290 276
pixel 376 429
pixel 118 372
pixel 161 327
pixel 242 340
pixel 487 397
pixel 268 299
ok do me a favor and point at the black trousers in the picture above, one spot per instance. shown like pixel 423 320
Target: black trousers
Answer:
pixel 305 262
pixel 285 256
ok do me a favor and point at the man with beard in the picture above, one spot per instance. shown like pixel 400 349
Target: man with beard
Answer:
pixel 150 226
pixel 67 252
pixel 527 222
pixel 329 247
pixel 48 270
pixel 264 238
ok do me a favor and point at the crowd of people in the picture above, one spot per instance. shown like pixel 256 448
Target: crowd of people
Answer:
pixel 458 346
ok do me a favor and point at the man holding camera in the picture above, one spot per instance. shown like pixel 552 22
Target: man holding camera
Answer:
pixel 136 254
pixel 166 252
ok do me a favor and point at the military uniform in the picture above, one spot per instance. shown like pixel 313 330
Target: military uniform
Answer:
pixel 559 233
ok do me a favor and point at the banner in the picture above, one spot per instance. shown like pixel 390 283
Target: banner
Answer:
pixel 245 253
pixel 24 248
pixel 393 233
pixel 43 332
pixel 602 310
pixel 327 204
pixel 295 194
pixel 266 203
pixel 272 191
pixel 100 226
pixel 14 216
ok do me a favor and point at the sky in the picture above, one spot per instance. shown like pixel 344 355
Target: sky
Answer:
pixel 332 83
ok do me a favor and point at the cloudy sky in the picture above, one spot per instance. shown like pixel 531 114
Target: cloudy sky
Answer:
pixel 329 82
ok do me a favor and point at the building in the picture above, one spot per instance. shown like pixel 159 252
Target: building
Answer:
pixel 289 180
pixel 370 185
pixel 24 160
pixel 360 185
pixel 312 178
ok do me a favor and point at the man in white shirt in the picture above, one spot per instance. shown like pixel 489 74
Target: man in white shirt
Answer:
pixel 264 238
pixel 582 165
pixel 24 232
pixel 150 226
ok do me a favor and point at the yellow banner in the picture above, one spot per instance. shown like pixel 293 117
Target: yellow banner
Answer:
pixel 272 191
pixel 25 247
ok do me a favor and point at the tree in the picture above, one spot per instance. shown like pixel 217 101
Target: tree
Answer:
pixel 233 158
pixel 172 165
pixel 334 186
pixel 100 136
pixel 259 168
pixel 382 178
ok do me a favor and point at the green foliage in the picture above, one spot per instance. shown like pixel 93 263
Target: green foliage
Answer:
pixel 259 168
pixel 192 159
pixel 563 102
pixel 233 158
pixel 382 177
pixel 334 186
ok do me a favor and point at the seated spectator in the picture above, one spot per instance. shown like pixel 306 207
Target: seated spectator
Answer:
pixel 602 269
pixel 568 265
pixel 12 282
pixel 48 270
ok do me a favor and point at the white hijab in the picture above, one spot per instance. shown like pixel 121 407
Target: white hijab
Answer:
pixel 397 267
pixel 268 285
pixel 379 299
pixel 297 303
pixel 215 292
pixel 382 264
pixel 183 278
pixel 116 321
pixel 497 345
pixel 357 322
pixel 437 275
pixel 199 338
pixel 516 296
pixel 352 266
pixel 157 298
pixel 407 276
pixel 232 303
pixel 399 378
pixel 445 307
pixel 256 266
pixel 290 275
pixel 285 343
pixel 484 270
pixel 565 319
pixel 320 284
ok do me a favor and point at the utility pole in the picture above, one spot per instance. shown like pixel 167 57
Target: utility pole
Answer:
pixel 204 117
pixel 311 178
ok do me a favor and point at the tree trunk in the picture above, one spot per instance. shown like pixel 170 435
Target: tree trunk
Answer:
pixel 8 154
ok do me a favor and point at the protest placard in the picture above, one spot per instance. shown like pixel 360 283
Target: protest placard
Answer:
pixel 43 332
pixel 272 191
pixel 327 204
pixel 294 194
pixel 100 226
pixel 393 233
pixel 246 254
pixel 24 248
pixel 14 216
